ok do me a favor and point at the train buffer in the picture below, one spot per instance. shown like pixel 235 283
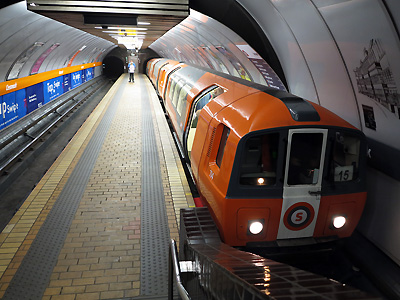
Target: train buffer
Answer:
pixel 206 268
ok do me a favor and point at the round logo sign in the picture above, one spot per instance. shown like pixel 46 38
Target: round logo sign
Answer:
pixel 299 216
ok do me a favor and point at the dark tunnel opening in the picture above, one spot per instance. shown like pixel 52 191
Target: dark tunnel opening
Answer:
pixel 113 67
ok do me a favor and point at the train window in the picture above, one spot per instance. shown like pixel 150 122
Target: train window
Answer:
pixel 259 161
pixel 305 158
pixel 159 72
pixel 345 157
pixel 181 104
pixel 172 89
pixel 177 90
pixel 170 75
pixel 198 106
pixel 222 145
pixel 216 92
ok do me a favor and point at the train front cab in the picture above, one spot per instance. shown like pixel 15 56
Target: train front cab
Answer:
pixel 313 177
pixel 289 184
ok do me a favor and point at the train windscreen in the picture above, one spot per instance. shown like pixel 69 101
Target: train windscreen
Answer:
pixel 260 160
pixel 305 158
pixel 345 160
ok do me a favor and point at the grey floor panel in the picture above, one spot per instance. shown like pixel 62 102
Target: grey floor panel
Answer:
pixel 33 276
pixel 154 221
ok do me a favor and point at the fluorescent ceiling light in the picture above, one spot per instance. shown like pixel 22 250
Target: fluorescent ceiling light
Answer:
pixel 122 28
pixel 124 32
pixel 129 42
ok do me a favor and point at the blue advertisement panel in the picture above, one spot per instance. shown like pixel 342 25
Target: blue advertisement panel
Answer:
pixel 83 72
pixel 20 100
pixel 8 109
pixel 16 105
pixel 76 79
pixel 1 113
pixel 52 89
pixel 67 82
pixel 89 74
pixel 34 96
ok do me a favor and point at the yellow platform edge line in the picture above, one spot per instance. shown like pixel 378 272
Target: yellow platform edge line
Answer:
pixel 176 174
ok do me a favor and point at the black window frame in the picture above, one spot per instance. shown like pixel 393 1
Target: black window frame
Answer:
pixel 194 103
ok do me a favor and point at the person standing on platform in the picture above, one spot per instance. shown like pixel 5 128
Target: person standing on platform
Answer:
pixel 131 70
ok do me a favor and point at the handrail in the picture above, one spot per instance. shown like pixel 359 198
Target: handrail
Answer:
pixel 174 269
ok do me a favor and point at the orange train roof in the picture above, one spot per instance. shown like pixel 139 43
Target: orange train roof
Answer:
pixel 259 110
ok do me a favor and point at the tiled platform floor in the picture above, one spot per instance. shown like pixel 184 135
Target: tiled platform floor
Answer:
pixel 100 257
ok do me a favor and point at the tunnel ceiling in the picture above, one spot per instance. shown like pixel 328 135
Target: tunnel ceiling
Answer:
pixel 116 19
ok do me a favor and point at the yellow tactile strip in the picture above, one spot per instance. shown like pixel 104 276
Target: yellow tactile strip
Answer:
pixel 18 235
pixel 176 188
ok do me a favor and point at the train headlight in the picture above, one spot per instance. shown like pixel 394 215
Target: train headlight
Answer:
pixel 339 222
pixel 255 227
pixel 261 181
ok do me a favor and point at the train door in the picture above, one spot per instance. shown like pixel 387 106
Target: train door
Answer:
pixel 302 183
pixel 198 104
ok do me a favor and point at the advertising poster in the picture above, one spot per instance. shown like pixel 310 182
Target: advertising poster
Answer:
pixel 370 49
pixel 12 107
pixel 40 60
pixel 205 58
pixel 67 82
pixel 9 109
pixel 217 60
pixel 89 74
pixel 235 63
pixel 34 97
pixel 76 79
pixel 20 100
pixel 267 72
pixel 16 105
pixel 83 73
pixel 1 113
pixel 52 89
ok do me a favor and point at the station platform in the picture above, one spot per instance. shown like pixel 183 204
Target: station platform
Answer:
pixel 98 224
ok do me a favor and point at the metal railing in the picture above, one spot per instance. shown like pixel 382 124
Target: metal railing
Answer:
pixel 174 274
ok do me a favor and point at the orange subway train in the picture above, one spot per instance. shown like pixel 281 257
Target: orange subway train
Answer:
pixel 272 168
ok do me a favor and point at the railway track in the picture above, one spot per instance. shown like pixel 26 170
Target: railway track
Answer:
pixel 29 146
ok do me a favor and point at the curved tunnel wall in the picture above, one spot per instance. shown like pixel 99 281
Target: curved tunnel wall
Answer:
pixel 40 59
pixel 27 39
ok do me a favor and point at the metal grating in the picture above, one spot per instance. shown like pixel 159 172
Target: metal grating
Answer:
pixel 211 142
pixel 33 276
pixel 154 221
pixel 223 272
